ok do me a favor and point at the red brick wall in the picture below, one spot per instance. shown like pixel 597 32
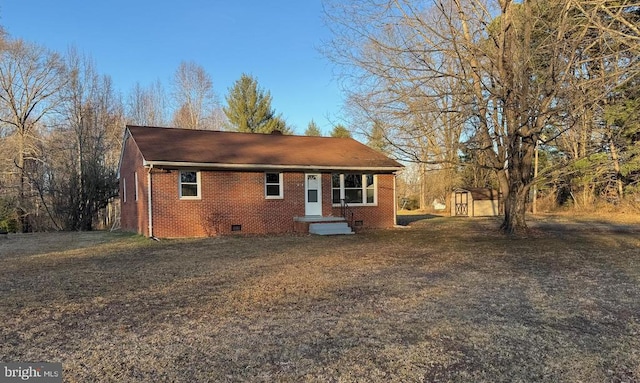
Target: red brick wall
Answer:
pixel 230 198
pixel 380 216
pixel 227 198
pixel 133 214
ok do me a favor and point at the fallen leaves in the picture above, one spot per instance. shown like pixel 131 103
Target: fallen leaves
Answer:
pixel 444 302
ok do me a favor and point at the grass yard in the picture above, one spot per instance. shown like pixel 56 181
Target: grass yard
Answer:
pixel 442 300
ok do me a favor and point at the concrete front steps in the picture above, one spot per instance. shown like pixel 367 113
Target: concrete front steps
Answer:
pixel 322 225
pixel 330 228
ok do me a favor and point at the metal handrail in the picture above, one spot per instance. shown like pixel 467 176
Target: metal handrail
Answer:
pixel 346 212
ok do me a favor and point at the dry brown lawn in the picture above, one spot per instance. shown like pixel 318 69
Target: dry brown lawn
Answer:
pixel 442 300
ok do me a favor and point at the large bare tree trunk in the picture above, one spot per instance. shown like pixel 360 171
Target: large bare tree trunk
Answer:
pixel 515 208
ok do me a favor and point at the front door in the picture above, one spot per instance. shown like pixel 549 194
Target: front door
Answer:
pixel 313 194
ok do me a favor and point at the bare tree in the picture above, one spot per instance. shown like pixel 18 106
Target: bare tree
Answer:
pixel 84 171
pixel 196 103
pixel 496 71
pixel 593 147
pixel 422 118
pixel 31 78
pixel 147 105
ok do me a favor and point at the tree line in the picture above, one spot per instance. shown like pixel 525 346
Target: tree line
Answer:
pixel 61 126
pixel 473 91
pixel 521 96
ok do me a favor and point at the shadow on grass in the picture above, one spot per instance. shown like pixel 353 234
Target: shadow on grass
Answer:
pixel 577 226
pixel 35 244
pixel 444 302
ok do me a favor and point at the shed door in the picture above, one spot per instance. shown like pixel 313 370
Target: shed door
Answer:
pixel 462 203
pixel 313 194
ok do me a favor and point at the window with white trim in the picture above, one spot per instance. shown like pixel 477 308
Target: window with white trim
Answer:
pixel 354 188
pixel 124 190
pixel 135 190
pixel 189 184
pixel 273 186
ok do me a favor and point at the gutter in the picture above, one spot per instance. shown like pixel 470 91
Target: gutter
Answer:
pixel 395 202
pixel 149 207
pixel 221 166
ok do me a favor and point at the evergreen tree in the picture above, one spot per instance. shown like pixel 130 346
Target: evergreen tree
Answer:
pixel 622 117
pixel 280 125
pixel 249 108
pixel 378 140
pixel 340 131
pixel 313 130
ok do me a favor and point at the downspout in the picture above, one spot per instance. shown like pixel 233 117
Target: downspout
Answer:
pixel 395 202
pixel 149 208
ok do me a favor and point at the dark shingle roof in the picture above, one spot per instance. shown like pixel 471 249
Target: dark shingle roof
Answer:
pixel 215 148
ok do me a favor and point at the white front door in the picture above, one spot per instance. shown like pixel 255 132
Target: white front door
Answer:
pixel 313 194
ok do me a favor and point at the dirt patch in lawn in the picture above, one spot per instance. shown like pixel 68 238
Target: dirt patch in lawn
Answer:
pixel 442 300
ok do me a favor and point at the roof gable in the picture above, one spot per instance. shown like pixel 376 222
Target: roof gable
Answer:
pixel 171 146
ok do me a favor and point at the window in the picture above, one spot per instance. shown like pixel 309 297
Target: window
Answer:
pixel 370 189
pixel 124 190
pixel 189 185
pixel 336 183
pixel 135 190
pixel 353 188
pixel 273 185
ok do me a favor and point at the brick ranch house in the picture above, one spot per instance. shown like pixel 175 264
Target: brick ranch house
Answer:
pixel 195 183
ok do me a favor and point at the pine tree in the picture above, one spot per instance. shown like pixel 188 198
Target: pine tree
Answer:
pixel 279 124
pixel 340 131
pixel 377 139
pixel 249 108
pixel 313 130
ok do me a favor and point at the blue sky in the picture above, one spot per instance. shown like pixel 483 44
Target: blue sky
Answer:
pixel 142 41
